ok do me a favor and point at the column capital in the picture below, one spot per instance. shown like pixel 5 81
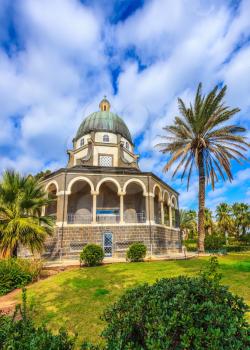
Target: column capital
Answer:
pixel 62 193
pixel 148 194
pixel 121 193
pixel 94 193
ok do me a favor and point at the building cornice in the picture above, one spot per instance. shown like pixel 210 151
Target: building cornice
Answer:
pixel 95 170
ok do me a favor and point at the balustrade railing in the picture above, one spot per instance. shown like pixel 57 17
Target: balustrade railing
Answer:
pixel 108 218
pixel 139 217
pixel 135 217
pixel 79 218
pixel 157 219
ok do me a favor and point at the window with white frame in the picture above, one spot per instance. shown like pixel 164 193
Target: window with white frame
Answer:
pixel 105 160
pixel 81 142
pixel 105 138
pixel 127 145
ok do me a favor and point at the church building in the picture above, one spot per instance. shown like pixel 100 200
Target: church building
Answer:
pixel 103 197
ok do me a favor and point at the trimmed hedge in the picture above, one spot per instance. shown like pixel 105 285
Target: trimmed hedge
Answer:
pixel 16 273
pixel 92 255
pixel 136 252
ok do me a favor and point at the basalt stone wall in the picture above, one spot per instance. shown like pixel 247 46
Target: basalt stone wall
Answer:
pixel 71 240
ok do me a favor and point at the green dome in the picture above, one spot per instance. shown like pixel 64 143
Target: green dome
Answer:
pixel 103 121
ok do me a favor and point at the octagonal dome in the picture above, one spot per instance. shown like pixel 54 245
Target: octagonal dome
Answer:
pixel 104 120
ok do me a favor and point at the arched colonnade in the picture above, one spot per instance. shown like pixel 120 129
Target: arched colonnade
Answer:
pixel 110 202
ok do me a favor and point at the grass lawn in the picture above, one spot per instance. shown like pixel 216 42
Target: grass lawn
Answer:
pixel 76 298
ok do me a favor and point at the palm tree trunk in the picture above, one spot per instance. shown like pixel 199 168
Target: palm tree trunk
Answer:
pixel 201 214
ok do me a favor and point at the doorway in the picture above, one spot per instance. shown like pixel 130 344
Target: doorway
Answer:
pixel 108 244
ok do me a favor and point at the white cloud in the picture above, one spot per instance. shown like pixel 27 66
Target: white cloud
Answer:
pixel 62 69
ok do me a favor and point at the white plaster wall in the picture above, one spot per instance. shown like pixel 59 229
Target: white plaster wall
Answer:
pixel 106 150
pixel 99 137
pixel 80 154
pixel 85 137
pixel 124 141
pixel 128 156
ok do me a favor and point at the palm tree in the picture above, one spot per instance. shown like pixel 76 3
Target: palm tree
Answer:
pixel 21 220
pixel 198 138
pixel 224 219
pixel 187 221
pixel 241 213
pixel 208 221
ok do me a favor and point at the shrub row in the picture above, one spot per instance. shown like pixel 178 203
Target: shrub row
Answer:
pixel 93 255
pixel 215 243
pixel 16 273
pixel 237 248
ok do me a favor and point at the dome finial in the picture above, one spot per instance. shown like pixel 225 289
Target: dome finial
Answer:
pixel 104 104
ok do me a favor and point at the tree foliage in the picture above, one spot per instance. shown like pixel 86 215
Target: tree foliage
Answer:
pixel 21 220
pixel 199 138
pixel 188 222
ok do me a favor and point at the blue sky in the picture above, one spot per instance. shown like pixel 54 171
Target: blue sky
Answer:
pixel 58 58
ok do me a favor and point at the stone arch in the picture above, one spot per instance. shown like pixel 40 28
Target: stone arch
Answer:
pixel 80 201
pixel 160 191
pixel 157 203
pixel 108 179
pixel 53 182
pixel 175 212
pixel 80 178
pixel 166 197
pixel 137 181
pixel 108 201
pixel 174 202
pixel 134 201
pixel 166 207
pixel 52 192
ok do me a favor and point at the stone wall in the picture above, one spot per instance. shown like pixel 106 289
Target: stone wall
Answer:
pixel 162 239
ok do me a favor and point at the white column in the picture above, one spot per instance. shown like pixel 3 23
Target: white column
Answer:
pixel 121 208
pixel 94 195
pixel 162 212
pixel 170 215
pixel 43 210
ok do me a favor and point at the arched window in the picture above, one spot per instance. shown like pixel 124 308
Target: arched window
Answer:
pixel 82 142
pixel 105 138
pixel 127 145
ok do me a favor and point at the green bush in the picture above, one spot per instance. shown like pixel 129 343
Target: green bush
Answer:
pixel 92 255
pixel 178 313
pixel 19 333
pixel 237 248
pixel 214 242
pixel 16 273
pixel 245 239
pixel 191 245
pixel 136 252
